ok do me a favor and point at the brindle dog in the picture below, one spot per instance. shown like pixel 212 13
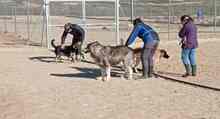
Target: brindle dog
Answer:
pixel 107 56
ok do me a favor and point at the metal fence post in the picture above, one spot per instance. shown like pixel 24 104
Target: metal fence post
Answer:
pixel 84 17
pixel 132 10
pixel 15 20
pixel 215 15
pixel 43 22
pixel 5 24
pixel 28 20
pixel 5 20
pixel 117 20
pixel 47 14
pixel 169 18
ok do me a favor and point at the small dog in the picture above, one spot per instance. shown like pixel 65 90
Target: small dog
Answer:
pixel 159 53
pixel 107 56
pixel 68 51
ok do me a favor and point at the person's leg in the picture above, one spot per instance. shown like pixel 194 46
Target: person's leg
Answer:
pixel 192 57
pixel 152 51
pixel 185 59
pixel 82 39
pixel 150 62
pixel 144 60
pixel 77 41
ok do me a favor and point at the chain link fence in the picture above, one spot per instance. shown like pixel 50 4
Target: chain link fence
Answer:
pixel 164 15
pixel 25 17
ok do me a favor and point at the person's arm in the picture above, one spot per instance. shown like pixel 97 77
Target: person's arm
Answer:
pixel 65 32
pixel 133 35
pixel 182 35
pixel 182 32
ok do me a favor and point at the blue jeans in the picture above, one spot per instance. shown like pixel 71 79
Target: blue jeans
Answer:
pixel 188 56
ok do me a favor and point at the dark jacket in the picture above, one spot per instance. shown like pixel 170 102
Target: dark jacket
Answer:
pixel 77 32
pixel 143 31
pixel 188 34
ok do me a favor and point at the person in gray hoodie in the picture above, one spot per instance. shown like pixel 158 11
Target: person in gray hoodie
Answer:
pixel 189 43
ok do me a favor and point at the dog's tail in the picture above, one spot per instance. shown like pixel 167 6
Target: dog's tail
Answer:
pixel 52 43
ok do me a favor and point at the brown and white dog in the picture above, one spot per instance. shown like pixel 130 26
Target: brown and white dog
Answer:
pixel 107 56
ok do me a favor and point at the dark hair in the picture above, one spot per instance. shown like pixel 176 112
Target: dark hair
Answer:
pixel 136 21
pixel 186 18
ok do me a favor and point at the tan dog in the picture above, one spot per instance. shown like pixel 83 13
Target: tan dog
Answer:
pixel 159 53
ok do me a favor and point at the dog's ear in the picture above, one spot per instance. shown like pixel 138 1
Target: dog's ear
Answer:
pixel 96 42
pixel 86 50
pixel 92 44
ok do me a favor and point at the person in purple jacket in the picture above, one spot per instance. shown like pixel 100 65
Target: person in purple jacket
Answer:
pixel 188 35
pixel 151 41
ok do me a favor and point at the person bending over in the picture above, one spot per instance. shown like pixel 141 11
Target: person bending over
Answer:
pixel 78 36
pixel 151 42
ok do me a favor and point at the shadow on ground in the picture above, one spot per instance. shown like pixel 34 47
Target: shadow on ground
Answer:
pixel 170 74
pixel 86 73
pixel 46 59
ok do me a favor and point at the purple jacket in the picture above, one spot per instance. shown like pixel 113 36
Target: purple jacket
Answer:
pixel 189 34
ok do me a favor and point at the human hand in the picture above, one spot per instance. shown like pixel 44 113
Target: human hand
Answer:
pixel 62 46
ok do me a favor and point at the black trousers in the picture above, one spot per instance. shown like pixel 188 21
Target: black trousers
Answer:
pixel 147 57
pixel 78 41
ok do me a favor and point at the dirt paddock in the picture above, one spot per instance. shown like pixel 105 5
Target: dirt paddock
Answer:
pixel 33 86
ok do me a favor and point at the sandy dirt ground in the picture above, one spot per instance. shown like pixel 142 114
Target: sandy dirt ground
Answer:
pixel 33 86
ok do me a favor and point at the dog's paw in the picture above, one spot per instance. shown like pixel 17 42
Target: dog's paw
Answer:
pixel 59 61
pixel 72 61
pixel 135 70
pixel 99 78
pixel 130 78
pixel 106 79
pixel 122 76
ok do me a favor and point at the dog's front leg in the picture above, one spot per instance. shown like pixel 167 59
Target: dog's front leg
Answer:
pixel 130 73
pixel 72 57
pixel 56 59
pixel 102 77
pixel 108 72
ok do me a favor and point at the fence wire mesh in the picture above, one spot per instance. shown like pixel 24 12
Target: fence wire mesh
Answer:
pixel 25 17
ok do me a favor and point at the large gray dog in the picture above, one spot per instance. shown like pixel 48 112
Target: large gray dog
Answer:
pixel 107 56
